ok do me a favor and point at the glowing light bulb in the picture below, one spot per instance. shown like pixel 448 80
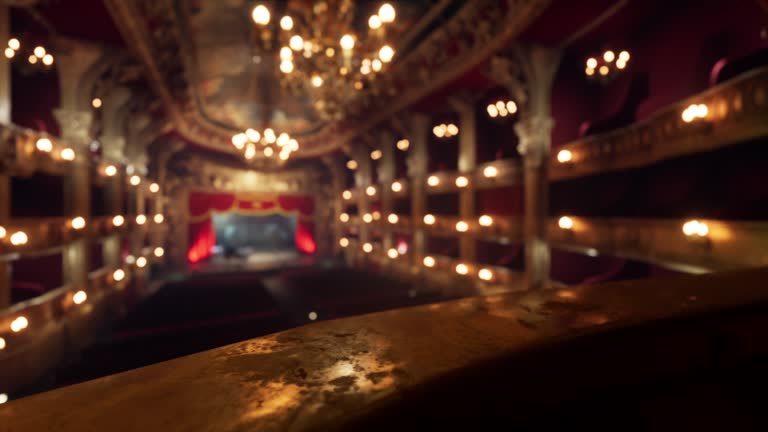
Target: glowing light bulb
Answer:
pixel 3 396
pixel 159 252
pixel 376 215
pixel 485 220
pixel 374 22
pixel 352 165
pixel 403 144
pixel 591 63
pixel 493 112
pixel 141 219
pixel 624 56
pixel 317 80
pixel 344 242
pixel 261 15
pixel 19 238
pixel 565 223
pixel 347 42
pixel 344 217
pixel 376 154
pixel 367 248
pixel 154 188
pixel 47 59
pixel 429 261
pixel 433 181
pixel 564 156
pixel 452 129
pixel 367 218
pixel 269 151
pixel 118 275
pixel 462 226
pixel 393 218
pixel 392 253
pixel 511 107
pixel 78 223
pixel 429 219
pixel 39 52
pixel 386 53
pixel 312 316
pixel 387 13
pixel 2 347
pixel 44 145
pixel 32 59
pixel 96 103
pixel 490 172
pixel 3 232
pixel 485 274
pixel 19 324
pixel 141 262
pixel 79 297
pixel 296 42
pixel 14 44
pixel 286 23
pixel 286 66
pixel 67 154
pixel 130 260
pixel 370 190
pixel 251 135
pixel 462 269
pixel 397 186
pixel 347 195
pixel 10 53
pixel 609 56
pixel 702 111
pixel 462 181
pixel 135 180
pixel 159 218
pixel 589 71
pixel 603 70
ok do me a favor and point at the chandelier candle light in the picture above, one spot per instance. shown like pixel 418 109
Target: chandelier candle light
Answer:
pixel 269 143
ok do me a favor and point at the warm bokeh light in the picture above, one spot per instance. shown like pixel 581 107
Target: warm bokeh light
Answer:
pixel 485 274
pixel 608 56
pixel 370 190
pixel 39 52
pixel 118 275
pixel 154 188
pixel 429 219
pixel 591 62
pixel 565 223
pixel 141 219
pixel 352 165
pixel 110 170
pixel 135 180
pixel 2 232
pixel 79 297
pixel 96 103
pixel 462 181
pixel 564 156
pixel 347 42
pixel 14 44
pixel 286 23
pixel 376 215
pixel 78 223
pixel 367 248
pixel 312 316
pixel 19 324
pixel 695 227
pixel 393 218
pixel 159 218
pixel 397 186
pixel 695 111
pixel 485 220
pixel 367 218
pixel 376 154
pixel 344 242
pixel 67 154
pixel 462 226
pixel 403 144
pixel 141 262
pixel 260 15
pixel 386 53
pixel 433 181
pixel 44 145
pixel 374 22
pixel 387 13
pixel 2 345
pixel 19 238
pixel 392 253
pixel 490 172
pixel 344 217
pixel 429 261
pixel 47 59
pixel 347 195
pixel 118 220
pixel 159 252
pixel 462 269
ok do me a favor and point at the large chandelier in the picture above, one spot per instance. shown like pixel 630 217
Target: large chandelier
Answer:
pixel 322 55
pixel 274 147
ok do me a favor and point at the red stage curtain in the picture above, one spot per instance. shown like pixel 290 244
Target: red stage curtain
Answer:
pixel 202 237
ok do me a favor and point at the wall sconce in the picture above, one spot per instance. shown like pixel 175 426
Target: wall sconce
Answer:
pixel 445 130
pixel 695 112
pixel 564 156
pixel 501 109
pixel 565 223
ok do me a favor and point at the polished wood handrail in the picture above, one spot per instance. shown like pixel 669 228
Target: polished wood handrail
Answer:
pixel 327 375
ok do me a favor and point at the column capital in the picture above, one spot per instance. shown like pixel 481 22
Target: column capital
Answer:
pixel 73 60
pixel 113 147
pixel 75 126
pixel 535 137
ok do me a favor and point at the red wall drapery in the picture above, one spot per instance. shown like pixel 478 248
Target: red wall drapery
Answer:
pixel 202 205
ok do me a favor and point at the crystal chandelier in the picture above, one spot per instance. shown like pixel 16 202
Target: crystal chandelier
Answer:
pixel 321 55
pixel 274 147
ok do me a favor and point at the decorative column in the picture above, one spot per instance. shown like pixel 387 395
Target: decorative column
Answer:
pixel 465 107
pixel 75 119
pixel 5 70
pixel 528 77
pixel 417 128
pixel 386 176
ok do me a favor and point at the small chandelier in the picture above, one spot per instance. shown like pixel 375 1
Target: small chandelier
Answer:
pixel 321 55
pixel 607 65
pixel 280 147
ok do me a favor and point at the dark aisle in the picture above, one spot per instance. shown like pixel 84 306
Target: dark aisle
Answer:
pixel 211 310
